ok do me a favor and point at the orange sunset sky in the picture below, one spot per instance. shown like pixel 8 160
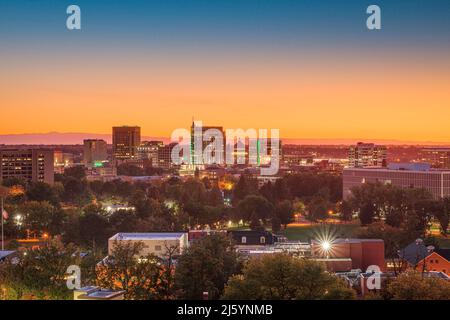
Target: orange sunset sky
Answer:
pixel 365 99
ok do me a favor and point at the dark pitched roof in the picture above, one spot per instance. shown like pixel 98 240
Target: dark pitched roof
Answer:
pixel 414 252
pixel 445 253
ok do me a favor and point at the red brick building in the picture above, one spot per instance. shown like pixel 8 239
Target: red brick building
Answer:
pixel 362 252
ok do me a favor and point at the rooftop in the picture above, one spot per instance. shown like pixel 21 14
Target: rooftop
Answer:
pixel 350 240
pixel 148 236
pixel 97 293
pixel 401 170
pixel 5 253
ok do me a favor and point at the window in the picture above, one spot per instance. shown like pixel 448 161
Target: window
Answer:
pixel 244 240
pixel 262 240
pixel 157 248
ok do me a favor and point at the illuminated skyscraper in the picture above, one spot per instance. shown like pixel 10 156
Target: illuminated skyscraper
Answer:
pixel 126 141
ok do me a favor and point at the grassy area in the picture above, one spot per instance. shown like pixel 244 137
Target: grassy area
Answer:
pixel 444 243
pixel 308 232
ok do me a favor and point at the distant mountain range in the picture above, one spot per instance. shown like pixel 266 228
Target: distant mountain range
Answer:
pixel 57 138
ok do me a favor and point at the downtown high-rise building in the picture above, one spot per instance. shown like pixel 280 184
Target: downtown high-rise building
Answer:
pixel 32 165
pixel 367 155
pixel 148 151
pixel 126 141
pixel 199 133
pixel 438 157
pixel 94 152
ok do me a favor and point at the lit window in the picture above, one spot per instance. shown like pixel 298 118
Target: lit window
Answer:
pixel 262 240
pixel 244 240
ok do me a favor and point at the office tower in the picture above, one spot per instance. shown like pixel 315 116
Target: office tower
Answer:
pixel 198 134
pixel 148 150
pixel 165 156
pixel 126 140
pixel 95 152
pixel 28 164
pixel 367 155
pixel 437 157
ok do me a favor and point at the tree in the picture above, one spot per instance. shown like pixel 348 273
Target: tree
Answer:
pixel 77 172
pixel 123 221
pixel 96 187
pixel 254 208
pixel 307 185
pixel 41 191
pixel 281 191
pixel 276 224
pixel 73 190
pixel 41 217
pixel 40 272
pixel 284 212
pixel 126 169
pixel 318 209
pixel 214 197
pixel 241 189
pixel 205 267
pixel 126 269
pixel 394 205
pixel 282 277
pixel 267 191
pixel 94 226
pixel 345 210
pixel 14 181
pixel 411 285
pixel 442 214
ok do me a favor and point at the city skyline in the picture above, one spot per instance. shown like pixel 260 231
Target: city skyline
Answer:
pixel 313 71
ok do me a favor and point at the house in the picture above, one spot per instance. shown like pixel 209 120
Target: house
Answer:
pixel 157 243
pixel 438 260
pixel 422 258
pixel 254 238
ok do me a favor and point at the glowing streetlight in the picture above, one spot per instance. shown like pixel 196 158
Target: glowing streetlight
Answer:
pixel 326 247
pixel 18 220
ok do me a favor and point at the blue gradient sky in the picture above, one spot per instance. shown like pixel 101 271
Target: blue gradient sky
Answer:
pixel 217 24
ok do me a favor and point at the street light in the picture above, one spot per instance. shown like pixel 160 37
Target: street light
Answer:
pixel 326 247
pixel 18 220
